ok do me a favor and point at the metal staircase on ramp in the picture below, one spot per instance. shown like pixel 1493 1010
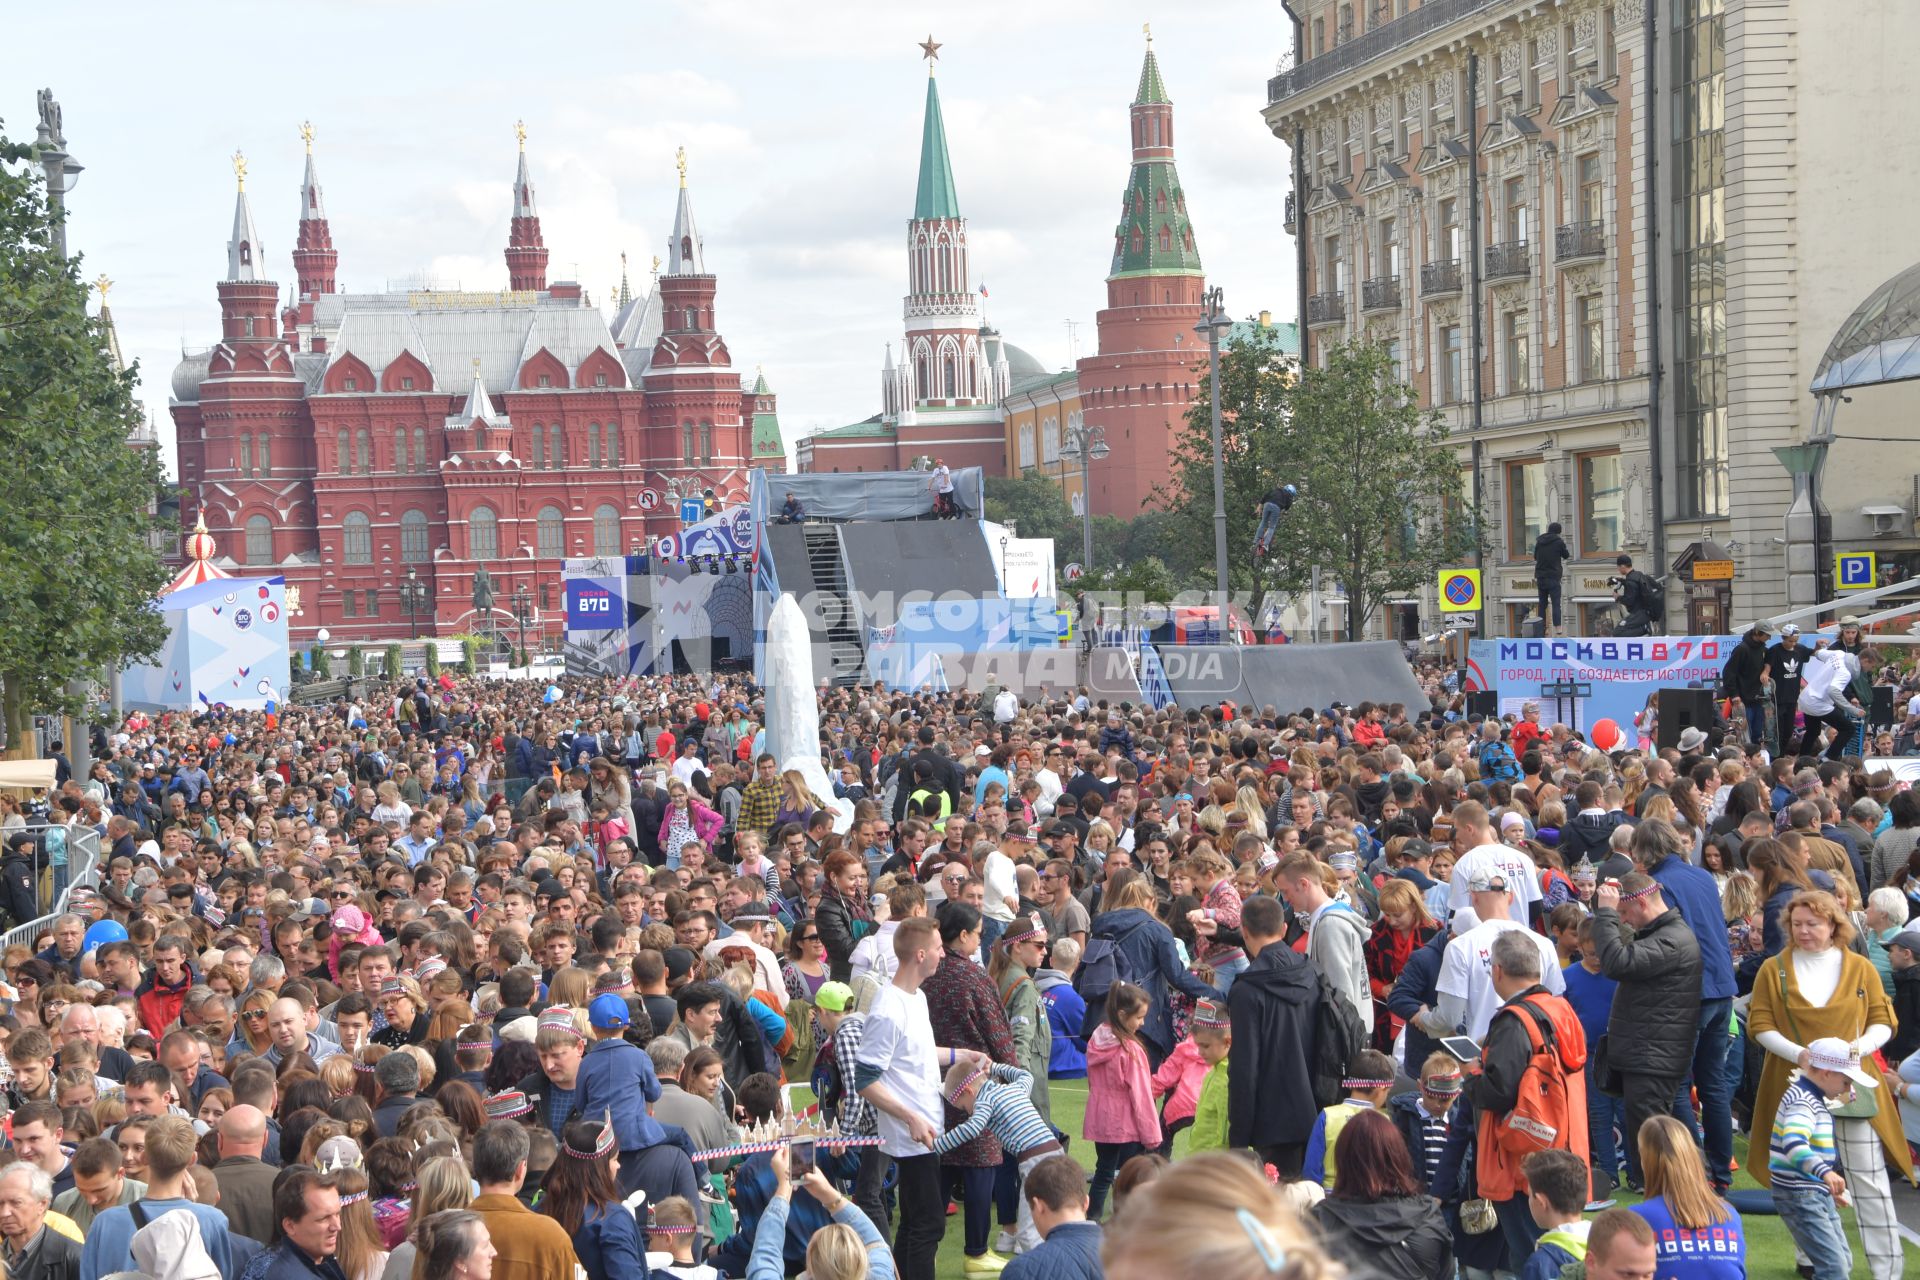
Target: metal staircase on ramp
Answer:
pixel 836 609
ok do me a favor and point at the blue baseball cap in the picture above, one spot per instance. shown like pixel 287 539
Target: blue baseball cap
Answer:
pixel 608 1011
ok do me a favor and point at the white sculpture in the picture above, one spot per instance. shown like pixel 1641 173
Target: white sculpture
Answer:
pixel 793 711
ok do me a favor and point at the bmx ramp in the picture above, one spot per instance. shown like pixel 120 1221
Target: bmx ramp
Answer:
pixel 787 543
pixel 1110 677
pixel 889 559
pixel 1290 677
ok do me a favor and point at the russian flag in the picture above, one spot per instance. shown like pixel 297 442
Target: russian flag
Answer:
pixel 983 289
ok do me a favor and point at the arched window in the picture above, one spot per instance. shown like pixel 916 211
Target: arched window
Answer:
pixel 687 456
pixel 413 537
pixel 606 530
pixel 357 538
pixel 593 444
pixel 363 452
pixel 245 464
pixel 539 447
pixel 400 449
pixel 556 447
pixel 613 444
pixel 706 442
pixel 262 454
pixel 343 460
pixel 483 534
pixel 259 540
pixel 550 529
pixel 686 249
pixel 1166 237
pixel 1160 202
pixel 420 459
pixel 949 377
pixel 1139 241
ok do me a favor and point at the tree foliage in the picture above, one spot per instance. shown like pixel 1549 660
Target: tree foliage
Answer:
pixel 1255 379
pixel 1037 508
pixel 78 574
pixel 1380 507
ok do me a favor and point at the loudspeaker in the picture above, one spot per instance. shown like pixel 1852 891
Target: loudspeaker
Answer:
pixel 1683 709
pixel 1880 709
pixel 1483 702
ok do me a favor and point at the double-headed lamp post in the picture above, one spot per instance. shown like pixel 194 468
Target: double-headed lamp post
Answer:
pixel 1213 326
pixel 522 605
pixel 1085 444
pixel 413 595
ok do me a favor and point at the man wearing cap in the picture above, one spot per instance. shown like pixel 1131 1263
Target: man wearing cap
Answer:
pixel 1468 997
pixel 617 1077
pixel 1746 674
pixel 1787 661
pixel 1903 955
pixel 1656 1008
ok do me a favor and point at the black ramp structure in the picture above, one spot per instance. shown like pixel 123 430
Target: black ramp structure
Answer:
pixel 1290 677
pixel 1110 677
pixel 787 543
pixel 890 560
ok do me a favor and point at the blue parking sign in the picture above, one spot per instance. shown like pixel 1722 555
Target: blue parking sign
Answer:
pixel 692 510
pixel 1853 570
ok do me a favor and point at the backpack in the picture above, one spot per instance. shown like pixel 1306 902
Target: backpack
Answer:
pixel 1541 1112
pixel 801 1046
pixel 1102 965
pixel 1497 763
pixel 1337 1036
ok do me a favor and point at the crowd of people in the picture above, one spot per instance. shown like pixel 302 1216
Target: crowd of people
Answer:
pixel 497 981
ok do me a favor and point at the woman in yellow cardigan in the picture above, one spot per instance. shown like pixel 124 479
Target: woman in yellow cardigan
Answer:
pixel 1815 988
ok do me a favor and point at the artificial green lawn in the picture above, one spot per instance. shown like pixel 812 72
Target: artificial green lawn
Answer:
pixel 1769 1248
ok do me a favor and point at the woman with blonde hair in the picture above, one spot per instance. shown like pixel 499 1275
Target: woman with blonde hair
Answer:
pixel 440 1183
pixel 1248 803
pixel 1817 988
pixel 250 1025
pixel 1697 1235
pixel 1212 1216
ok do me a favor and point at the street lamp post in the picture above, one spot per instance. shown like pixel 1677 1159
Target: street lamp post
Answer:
pixel 412 595
pixel 522 604
pixel 1212 325
pixel 1085 445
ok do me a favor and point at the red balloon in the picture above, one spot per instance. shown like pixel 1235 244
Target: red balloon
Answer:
pixel 1605 734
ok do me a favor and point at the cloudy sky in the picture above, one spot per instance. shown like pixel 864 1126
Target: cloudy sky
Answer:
pixel 802 128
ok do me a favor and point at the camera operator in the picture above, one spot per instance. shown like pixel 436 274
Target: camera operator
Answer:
pixel 1639 596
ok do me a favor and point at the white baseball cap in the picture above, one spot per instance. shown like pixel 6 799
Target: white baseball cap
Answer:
pixel 1832 1054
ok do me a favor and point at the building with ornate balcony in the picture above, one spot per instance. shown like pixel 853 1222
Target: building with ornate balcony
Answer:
pixel 1625 281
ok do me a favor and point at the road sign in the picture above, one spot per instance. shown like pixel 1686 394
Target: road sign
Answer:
pixel 1073 571
pixel 1464 622
pixel 692 510
pixel 648 499
pixel 1459 590
pixel 1853 571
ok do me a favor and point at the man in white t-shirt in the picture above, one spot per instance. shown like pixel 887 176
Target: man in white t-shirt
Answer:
pixel 1003 889
pixel 898 1071
pixel 1482 854
pixel 1467 995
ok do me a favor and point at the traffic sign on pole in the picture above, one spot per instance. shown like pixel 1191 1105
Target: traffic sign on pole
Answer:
pixel 1459 590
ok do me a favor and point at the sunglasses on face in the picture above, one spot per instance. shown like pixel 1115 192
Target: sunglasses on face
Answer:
pixel 254 1015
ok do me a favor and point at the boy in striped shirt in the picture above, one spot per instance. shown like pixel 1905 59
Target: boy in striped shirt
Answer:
pixel 1807 1187
pixel 998 1099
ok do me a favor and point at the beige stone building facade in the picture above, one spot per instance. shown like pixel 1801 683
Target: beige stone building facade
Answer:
pixel 1472 185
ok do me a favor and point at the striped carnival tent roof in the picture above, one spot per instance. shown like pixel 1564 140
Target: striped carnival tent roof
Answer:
pixel 200 566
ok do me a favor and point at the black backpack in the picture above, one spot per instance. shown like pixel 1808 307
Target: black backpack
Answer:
pixel 1338 1035
pixel 1103 964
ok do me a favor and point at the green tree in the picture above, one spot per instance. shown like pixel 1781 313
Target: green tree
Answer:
pixel 393 662
pixel 469 649
pixel 356 661
pixel 1037 508
pixel 78 574
pixel 433 660
pixel 1256 379
pixel 1381 507
pixel 322 664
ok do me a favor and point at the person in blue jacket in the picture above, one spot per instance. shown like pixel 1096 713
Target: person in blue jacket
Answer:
pixel 1069 1249
pixel 1066 1011
pixel 828 1255
pixel 583 1197
pixel 616 1078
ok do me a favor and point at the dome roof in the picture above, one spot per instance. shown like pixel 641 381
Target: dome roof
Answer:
pixel 188 375
pixel 1880 341
pixel 1020 364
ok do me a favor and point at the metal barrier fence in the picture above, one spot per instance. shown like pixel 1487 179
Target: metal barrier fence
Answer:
pixel 83 867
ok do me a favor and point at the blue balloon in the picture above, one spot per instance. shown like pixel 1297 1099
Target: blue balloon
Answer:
pixel 101 932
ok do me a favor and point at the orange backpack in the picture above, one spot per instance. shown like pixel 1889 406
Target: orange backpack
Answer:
pixel 1542 1113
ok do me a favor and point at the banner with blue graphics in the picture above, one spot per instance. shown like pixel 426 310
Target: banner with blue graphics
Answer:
pixel 1624 676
